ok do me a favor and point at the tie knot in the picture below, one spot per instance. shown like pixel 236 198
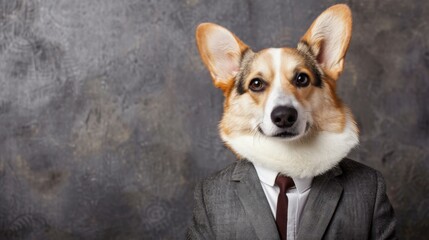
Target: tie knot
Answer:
pixel 284 183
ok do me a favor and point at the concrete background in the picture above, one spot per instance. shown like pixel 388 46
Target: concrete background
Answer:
pixel 108 117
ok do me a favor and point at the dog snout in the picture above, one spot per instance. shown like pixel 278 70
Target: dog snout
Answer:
pixel 284 116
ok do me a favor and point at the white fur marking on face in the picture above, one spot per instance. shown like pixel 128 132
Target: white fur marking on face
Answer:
pixel 277 59
pixel 278 96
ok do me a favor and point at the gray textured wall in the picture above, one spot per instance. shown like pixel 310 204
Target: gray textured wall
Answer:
pixel 108 117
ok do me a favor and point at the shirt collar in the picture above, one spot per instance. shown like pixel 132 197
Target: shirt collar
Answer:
pixel 268 177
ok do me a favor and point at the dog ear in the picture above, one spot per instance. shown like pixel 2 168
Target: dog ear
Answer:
pixel 221 52
pixel 328 39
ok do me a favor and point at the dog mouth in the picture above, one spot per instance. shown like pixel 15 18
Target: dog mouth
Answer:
pixel 284 134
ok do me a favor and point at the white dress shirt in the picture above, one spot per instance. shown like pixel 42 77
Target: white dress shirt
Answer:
pixel 297 197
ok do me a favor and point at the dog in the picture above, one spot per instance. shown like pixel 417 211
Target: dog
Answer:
pixel 282 113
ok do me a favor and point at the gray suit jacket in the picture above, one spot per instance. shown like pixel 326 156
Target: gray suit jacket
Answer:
pixel 347 202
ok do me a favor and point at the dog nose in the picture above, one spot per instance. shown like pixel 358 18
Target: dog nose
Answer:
pixel 283 116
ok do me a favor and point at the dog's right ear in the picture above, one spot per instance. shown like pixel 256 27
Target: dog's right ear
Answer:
pixel 221 52
pixel 329 38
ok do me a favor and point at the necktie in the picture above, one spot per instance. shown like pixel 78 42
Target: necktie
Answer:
pixel 284 184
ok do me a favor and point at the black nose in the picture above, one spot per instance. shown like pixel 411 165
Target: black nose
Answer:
pixel 284 117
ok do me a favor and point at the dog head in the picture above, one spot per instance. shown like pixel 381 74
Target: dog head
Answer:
pixel 282 98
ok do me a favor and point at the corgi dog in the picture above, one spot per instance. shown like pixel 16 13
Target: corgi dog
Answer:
pixel 281 109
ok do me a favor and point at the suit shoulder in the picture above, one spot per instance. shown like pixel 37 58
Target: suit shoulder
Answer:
pixel 226 174
pixel 219 187
pixel 352 165
pixel 356 171
pixel 223 174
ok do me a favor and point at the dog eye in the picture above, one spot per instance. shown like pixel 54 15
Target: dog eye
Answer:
pixel 302 80
pixel 257 85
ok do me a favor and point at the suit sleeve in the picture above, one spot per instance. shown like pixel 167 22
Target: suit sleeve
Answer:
pixel 200 225
pixel 383 222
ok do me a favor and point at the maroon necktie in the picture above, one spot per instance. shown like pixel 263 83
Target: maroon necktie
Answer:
pixel 284 184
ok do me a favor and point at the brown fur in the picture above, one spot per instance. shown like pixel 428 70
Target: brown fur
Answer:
pixel 327 110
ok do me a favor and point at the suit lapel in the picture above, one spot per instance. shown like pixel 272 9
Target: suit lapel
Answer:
pixel 252 197
pixel 321 204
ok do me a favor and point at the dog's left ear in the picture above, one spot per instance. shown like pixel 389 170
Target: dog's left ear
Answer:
pixel 328 39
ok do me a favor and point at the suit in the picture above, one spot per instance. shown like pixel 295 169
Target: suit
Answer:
pixel 347 202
